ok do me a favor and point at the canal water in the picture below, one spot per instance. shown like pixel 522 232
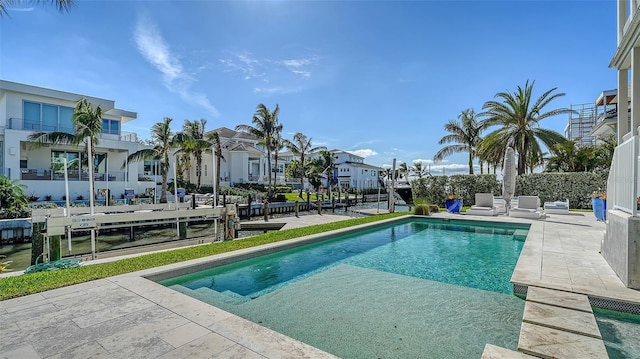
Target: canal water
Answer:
pixel 20 253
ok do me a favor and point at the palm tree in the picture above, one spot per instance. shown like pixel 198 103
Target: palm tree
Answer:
pixel 163 139
pixel 519 120
pixel 213 138
pixel 87 121
pixel 419 170
pixel 191 142
pixel 63 5
pixel 12 197
pixel 302 146
pixel 265 127
pixel 276 147
pixel 403 171
pixel 465 133
pixel 328 164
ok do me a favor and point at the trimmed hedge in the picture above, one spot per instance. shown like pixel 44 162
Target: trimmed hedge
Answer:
pixel 575 186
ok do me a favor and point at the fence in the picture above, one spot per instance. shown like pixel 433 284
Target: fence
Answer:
pixel 622 184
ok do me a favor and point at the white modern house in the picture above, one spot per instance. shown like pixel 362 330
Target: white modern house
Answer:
pixel 352 172
pixel 25 109
pixel 621 245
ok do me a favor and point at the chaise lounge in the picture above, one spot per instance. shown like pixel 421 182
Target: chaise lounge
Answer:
pixel 527 207
pixel 484 205
pixel 557 207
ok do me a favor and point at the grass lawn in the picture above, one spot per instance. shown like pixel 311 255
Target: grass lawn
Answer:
pixel 12 287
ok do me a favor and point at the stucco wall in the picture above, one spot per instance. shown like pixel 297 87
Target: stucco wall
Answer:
pixel 621 247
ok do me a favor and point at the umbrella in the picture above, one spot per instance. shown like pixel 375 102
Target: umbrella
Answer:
pixel 509 176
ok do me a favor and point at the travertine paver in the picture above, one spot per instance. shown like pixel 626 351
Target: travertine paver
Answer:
pixel 496 352
pixel 559 298
pixel 546 342
pixel 569 320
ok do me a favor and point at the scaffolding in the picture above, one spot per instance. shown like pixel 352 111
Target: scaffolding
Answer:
pixel 582 120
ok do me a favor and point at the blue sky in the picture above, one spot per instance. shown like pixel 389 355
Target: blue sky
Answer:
pixel 378 78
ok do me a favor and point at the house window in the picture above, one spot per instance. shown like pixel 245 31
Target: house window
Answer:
pixel 110 126
pixel 205 170
pixel 47 117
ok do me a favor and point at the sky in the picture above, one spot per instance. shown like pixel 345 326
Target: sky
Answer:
pixel 376 78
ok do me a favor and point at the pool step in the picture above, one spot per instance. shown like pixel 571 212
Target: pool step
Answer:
pixel 496 352
pixel 558 324
pixel 520 234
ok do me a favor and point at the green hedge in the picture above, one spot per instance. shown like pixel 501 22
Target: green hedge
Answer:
pixel 575 186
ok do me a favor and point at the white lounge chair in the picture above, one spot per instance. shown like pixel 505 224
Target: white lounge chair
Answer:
pixel 527 207
pixel 557 207
pixel 484 205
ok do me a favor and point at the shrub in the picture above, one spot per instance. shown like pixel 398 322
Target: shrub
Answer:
pixel 422 209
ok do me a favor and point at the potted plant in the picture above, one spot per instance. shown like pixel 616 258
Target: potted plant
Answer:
pixel 599 204
pixel 453 203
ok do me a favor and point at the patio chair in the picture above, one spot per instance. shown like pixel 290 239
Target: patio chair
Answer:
pixel 484 205
pixel 557 207
pixel 527 207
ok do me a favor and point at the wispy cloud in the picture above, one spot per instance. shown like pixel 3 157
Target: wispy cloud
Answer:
pixel 153 47
pixel 365 152
pixel 248 66
pixel 275 90
pixel 299 67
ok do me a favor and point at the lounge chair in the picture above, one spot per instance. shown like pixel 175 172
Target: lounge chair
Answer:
pixel 484 205
pixel 527 207
pixel 557 207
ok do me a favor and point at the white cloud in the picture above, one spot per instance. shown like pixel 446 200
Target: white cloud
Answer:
pixel 365 152
pixel 244 64
pixel 299 66
pixel 155 50
pixel 275 90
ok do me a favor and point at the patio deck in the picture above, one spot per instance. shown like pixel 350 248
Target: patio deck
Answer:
pixel 130 316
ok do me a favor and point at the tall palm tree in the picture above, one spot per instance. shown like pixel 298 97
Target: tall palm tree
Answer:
pixel 163 139
pixel 213 138
pixel 192 142
pixel 276 147
pixel 519 120
pixel 465 133
pixel 87 121
pixel 328 164
pixel 62 5
pixel 303 147
pixel 403 171
pixel 419 169
pixel 265 126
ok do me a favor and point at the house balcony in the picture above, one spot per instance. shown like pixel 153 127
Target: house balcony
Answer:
pixel 23 125
pixel 31 174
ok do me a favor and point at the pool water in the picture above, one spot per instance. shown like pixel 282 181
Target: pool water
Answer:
pixel 620 332
pixel 412 289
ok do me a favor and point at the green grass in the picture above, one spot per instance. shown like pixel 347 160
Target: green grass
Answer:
pixel 12 287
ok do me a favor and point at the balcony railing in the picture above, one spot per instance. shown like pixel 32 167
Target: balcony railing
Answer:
pixel 20 124
pixel 622 184
pixel 29 174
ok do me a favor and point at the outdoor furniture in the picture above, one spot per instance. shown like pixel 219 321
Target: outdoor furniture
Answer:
pixel 484 205
pixel 527 207
pixel 557 207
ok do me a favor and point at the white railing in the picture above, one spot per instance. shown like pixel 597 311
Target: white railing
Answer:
pixel 622 184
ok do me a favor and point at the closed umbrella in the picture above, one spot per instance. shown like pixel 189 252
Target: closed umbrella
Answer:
pixel 509 176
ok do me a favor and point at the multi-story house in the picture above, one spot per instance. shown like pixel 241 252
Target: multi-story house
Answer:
pixel 351 171
pixel 622 236
pixel 25 109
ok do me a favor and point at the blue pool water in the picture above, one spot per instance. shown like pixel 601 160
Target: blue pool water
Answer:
pixel 419 288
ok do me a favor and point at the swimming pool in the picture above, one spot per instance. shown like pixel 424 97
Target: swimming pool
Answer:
pixel 414 288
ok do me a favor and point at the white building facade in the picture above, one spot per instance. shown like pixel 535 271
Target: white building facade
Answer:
pixel 26 109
